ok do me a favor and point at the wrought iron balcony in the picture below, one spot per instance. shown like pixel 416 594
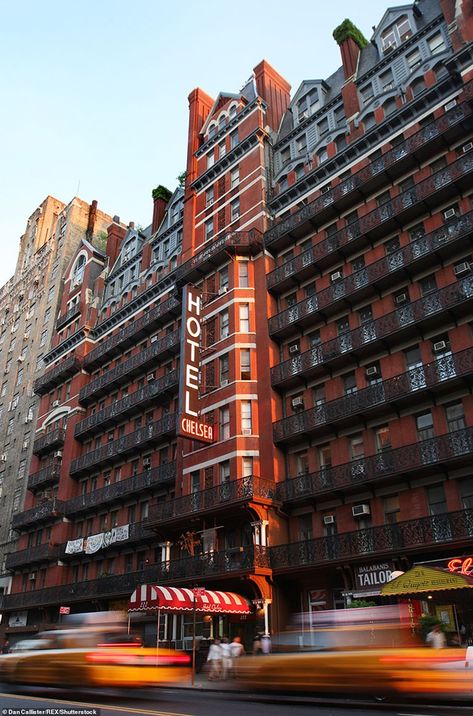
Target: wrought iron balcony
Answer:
pixel 131 333
pixel 132 403
pixel 45 511
pixel 133 366
pixel 379 274
pixel 46 476
pixel 49 441
pixel 397 390
pixel 116 449
pixel 57 374
pixel 209 257
pixel 454 528
pixel 230 563
pixel 137 484
pixel 65 318
pixel 40 553
pixel 383 169
pixel 423 455
pixel 455 298
pixel 235 492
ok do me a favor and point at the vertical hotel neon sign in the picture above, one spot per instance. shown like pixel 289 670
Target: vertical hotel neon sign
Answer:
pixel 190 424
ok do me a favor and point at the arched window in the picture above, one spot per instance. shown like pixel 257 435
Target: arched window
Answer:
pixel 222 120
pixel 212 130
pixel 233 110
pixel 369 121
pixel 418 86
pixel 78 270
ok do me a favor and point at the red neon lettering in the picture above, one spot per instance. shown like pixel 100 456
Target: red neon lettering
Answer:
pixel 462 566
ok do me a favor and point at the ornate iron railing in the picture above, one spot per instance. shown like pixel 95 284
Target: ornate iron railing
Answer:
pixel 131 485
pixel 216 564
pixel 408 146
pixel 46 476
pixel 146 435
pixel 423 532
pixel 423 454
pixel 47 510
pixel 113 345
pixel 40 553
pixel 55 375
pixel 134 364
pixel 129 404
pixel 406 316
pixel 387 391
pixel 235 491
pixel 387 266
pixel 49 441
pixel 69 315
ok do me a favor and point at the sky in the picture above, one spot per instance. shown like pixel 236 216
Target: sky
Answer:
pixel 94 94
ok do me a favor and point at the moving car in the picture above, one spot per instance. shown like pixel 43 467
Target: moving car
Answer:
pixel 91 658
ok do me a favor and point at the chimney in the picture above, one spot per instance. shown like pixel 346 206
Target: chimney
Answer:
pixel 351 41
pixel 91 220
pixel 274 90
pixel 116 233
pixel 161 196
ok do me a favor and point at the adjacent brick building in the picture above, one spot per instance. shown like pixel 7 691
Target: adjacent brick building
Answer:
pixel 330 235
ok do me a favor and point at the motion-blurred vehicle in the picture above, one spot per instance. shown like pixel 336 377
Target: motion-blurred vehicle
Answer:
pixel 92 658
pixel 369 656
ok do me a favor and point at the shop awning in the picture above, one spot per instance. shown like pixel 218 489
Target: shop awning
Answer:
pixel 151 597
pixel 426 579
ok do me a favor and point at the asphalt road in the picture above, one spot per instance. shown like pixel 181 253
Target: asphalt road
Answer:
pixel 186 702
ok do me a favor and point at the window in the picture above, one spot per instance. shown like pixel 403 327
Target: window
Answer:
pixel 244 318
pixel 302 462
pixel 224 325
pixel 413 59
pixel 301 144
pixel 386 81
pixel 455 416
pixel 357 448
pixel 223 278
pixel 210 159
pixel 234 139
pixel 382 438
pixel 247 466
pixel 209 196
pixel 436 43
pixel 234 177
pixel 425 426
pixel 19 376
pixel 235 209
pixel 209 229
pixel 77 273
pixel 224 369
pixel 285 155
pixel 224 423
pixel 222 149
pixel 224 472
pixel 245 365
pixel 322 127
pixel 396 34
pixel 131 514
pixel 246 421
pixel 367 92
pixel 349 383
pixel 305 526
pixel 243 277
pixel 391 509
pixel 43 337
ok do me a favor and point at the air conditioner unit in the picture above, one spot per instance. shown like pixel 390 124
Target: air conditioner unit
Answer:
pixel 336 275
pixel 10 405
pixel 449 213
pixel 298 402
pixel 246 431
pixel 20 359
pixel 3 457
pixel 462 268
pixel 294 348
pixel 401 298
pixel 439 346
pixel 222 290
pixel 329 519
pixel 26 336
pixel 467 147
pixel 372 370
pixel 32 576
pixel 150 377
pixel 26 420
pixel 360 510
pixel 56 403
pixel 25 445
pixel 224 382
pixel 154 339
pixel 450 105
pixel 58 453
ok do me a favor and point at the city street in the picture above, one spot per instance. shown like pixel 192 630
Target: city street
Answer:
pixel 187 702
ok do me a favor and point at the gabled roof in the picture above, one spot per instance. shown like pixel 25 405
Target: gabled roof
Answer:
pixel 221 101
pixel 390 16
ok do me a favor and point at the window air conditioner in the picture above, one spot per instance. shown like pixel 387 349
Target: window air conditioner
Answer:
pixel 154 339
pixel 450 105
pixel 467 147
pixel 3 457
pixel 401 298
pixel 440 346
pixel 222 290
pixel 223 382
pixel 26 336
pixel 294 348
pixel 56 403
pixel 298 402
pixel 26 420
pixel 372 370
pixel 360 510
pixel 246 431
pixel 335 276
pixel 20 359
pixel 58 453
pixel 449 213
pixel 32 576
pixel 462 268
pixel 25 445
pixel 329 519
pixel 150 377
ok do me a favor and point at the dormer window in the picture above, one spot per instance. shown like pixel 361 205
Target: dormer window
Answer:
pixel 78 272
pixel 413 60
pixel 285 155
pixel 436 44
pixel 301 144
pixel 222 122
pixel 322 127
pixel 386 81
pixel 395 35
pixel 212 130
pixel 232 111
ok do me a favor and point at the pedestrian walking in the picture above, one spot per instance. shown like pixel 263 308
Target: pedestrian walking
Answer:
pixel 265 644
pixel 257 645
pixel 6 647
pixel 436 637
pixel 215 659
pixel 236 651
pixel 227 658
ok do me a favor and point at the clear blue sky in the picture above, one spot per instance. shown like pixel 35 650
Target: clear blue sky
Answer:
pixel 94 94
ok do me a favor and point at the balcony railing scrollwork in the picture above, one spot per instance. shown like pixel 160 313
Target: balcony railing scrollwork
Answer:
pixel 46 510
pixel 32 555
pixel 65 318
pixel 46 476
pixel 56 374
pixel 49 441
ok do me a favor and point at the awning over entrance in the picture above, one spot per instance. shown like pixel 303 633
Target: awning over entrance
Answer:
pixel 426 579
pixel 151 597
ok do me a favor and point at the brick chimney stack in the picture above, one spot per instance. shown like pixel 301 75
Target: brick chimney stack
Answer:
pixel 91 220
pixel 116 233
pixel 351 42
pixel 275 90
pixel 159 209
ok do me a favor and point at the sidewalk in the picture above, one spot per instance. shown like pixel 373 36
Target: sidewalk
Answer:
pixel 203 684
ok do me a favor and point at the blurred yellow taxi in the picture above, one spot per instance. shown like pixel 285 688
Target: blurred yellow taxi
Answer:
pixel 72 657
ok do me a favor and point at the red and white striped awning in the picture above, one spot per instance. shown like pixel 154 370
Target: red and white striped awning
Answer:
pixel 151 597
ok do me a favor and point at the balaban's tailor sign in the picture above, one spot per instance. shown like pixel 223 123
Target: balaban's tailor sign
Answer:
pixel 190 424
